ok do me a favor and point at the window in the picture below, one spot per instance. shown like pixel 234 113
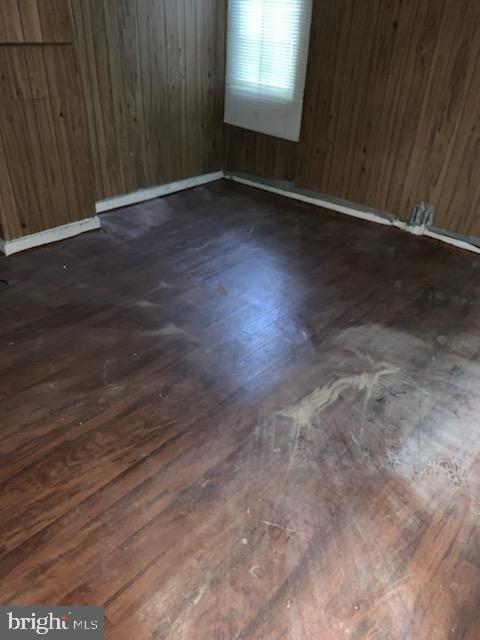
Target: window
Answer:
pixel 267 53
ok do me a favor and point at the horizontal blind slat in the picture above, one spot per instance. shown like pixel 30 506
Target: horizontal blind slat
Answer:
pixel 266 64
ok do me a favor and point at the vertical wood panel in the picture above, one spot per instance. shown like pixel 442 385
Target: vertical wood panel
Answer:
pixel 30 17
pixel 10 22
pixel 153 75
pixel 459 188
pixel 196 143
pixel 18 134
pixel 9 219
pixel 124 63
pixel 35 21
pixel 450 120
pixel 389 105
pixel 217 83
pixel 93 52
pixel 44 140
pixel 415 85
pixel 154 82
pixel 393 125
pixel 259 154
pixel 55 20
pixel 176 74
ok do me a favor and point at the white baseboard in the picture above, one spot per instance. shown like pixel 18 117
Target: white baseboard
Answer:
pixel 455 242
pixel 142 195
pixel 80 226
pixel 9 247
pixel 317 201
pixel 350 210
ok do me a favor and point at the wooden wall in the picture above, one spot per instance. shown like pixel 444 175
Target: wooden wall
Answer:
pixel 391 111
pixel 39 21
pixel 391 106
pixel 45 162
pixel 153 73
pixel 259 154
pixel 120 94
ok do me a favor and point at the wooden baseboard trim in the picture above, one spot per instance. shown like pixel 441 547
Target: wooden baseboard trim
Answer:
pixel 9 247
pixel 142 195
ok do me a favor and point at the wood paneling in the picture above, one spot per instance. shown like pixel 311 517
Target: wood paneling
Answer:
pixel 260 154
pixel 35 21
pixel 10 23
pixel 391 110
pixel 44 148
pixel 391 107
pixel 215 426
pixel 390 113
pixel 10 226
pixel 153 73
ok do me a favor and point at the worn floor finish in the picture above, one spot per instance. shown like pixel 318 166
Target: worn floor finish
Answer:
pixel 236 416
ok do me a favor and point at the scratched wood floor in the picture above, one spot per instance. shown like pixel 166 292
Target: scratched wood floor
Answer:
pixel 230 415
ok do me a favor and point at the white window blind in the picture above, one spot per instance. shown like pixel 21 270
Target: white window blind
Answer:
pixel 267 52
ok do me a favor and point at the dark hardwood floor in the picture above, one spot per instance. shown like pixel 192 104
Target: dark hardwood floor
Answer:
pixel 230 415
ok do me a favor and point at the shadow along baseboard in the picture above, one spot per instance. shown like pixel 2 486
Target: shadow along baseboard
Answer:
pixel 280 187
pixel 289 190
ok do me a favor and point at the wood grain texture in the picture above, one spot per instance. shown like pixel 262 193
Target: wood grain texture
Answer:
pixel 389 116
pixel 10 22
pixel 35 21
pixel 153 75
pixel 259 154
pixel 213 425
pixel 44 140
pixel 391 110
pixel 9 221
